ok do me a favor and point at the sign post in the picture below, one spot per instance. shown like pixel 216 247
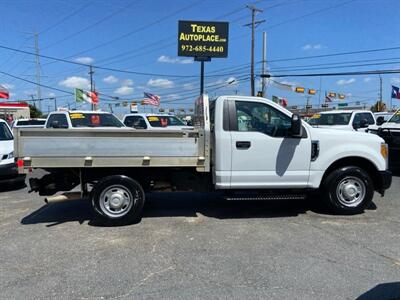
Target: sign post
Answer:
pixel 203 40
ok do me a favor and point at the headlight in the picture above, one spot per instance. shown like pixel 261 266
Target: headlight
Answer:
pixel 384 150
pixel 10 155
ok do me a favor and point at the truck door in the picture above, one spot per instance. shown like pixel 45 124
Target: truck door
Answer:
pixel 264 155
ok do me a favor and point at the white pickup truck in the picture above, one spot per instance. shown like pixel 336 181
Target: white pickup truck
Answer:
pixel 247 147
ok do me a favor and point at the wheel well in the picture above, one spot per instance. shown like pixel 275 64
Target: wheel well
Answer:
pixel 360 162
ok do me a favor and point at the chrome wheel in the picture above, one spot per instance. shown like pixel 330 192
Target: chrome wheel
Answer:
pixel 117 200
pixel 351 191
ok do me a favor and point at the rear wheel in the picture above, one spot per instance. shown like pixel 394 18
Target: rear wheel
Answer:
pixel 117 200
pixel 348 190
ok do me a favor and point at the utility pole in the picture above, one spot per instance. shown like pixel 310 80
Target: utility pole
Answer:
pixel 380 93
pixel 55 103
pixel 264 65
pixel 91 82
pixel 253 25
pixel 37 61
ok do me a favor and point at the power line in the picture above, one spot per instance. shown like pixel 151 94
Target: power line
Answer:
pixel 375 72
pixel 75 12
pixel 91 25
pixel 35 83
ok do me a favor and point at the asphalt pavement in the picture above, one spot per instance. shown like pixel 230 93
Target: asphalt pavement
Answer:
pixel 197 246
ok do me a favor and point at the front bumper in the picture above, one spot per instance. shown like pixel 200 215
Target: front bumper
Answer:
pixel 385 178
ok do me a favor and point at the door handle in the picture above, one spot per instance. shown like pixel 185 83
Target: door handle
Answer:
pixel 243 145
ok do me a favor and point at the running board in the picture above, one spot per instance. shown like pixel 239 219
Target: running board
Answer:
pixel 268 197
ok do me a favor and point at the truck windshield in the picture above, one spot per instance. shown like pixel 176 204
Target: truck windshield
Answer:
pixel 331 119
pixel 5 133
pixel 163 121
pixel 94 120
pixel 395 118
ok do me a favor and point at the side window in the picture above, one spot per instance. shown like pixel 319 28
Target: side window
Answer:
pixel 369 118
pixel 136 122
pixel 57 121
pixel 256 116
pixel 357 119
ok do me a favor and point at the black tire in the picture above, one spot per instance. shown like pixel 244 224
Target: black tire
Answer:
pixel 357 181
pixel 117 200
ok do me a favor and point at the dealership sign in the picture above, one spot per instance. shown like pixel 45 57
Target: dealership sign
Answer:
pixel 203 39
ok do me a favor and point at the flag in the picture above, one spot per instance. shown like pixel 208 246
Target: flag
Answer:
pixel 151 99
pixel 4 92
pixel 283 102
pixel 91 97
pixel 327 98
pixel 395 92
pixel 275 99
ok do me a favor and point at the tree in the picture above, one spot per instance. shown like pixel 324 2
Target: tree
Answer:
pixel 35 112
pixel 378 106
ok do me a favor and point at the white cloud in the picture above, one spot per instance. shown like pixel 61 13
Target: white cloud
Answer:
pixel 367 79
pixel 30 92
pixel 311 47
pixel 395 80
pixel 51 94
pixel 172 60
pixel 75 82
pixel 8 86
pixel 160 83
pixel 188 86
pixel 124 90
pixel 232 82
pixel 345 82
pixel 127 82
pixel 173 97
pixel 84 60
pixel 110 79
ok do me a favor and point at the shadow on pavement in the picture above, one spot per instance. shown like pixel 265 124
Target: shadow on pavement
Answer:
pixel 180 205
pixel 184 205
pixel 384 291
pixel 12 187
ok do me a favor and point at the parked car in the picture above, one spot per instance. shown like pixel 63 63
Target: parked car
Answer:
pixel 28 123
pixel 358 120
pixel 390 132
pixel 8 167
pixel 154 121
pixel 82 119
pixel 382 117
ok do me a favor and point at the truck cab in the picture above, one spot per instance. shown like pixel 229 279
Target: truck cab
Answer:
pixel 352 120
pixel 82 119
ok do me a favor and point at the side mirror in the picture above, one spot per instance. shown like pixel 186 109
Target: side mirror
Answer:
pixel 356 126
pixel 296 129
pixel 55 124
pixel 380 120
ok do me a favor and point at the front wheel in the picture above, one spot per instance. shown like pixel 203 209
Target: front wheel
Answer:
pixel 348 190
pixel 117 200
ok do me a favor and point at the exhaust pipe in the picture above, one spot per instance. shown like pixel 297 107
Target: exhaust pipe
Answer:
pixel 63 197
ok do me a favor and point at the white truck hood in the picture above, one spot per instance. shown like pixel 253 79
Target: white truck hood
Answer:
pixel 391 125
pixel 344 136
pixel 336 127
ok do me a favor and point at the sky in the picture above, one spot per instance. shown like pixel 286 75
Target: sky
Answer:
pixel 141 36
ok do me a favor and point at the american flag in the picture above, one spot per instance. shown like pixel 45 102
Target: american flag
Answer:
pixel 151 99
pixel 327 98
pixel 4 92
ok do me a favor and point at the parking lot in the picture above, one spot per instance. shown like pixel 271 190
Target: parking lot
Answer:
pixel 199 246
